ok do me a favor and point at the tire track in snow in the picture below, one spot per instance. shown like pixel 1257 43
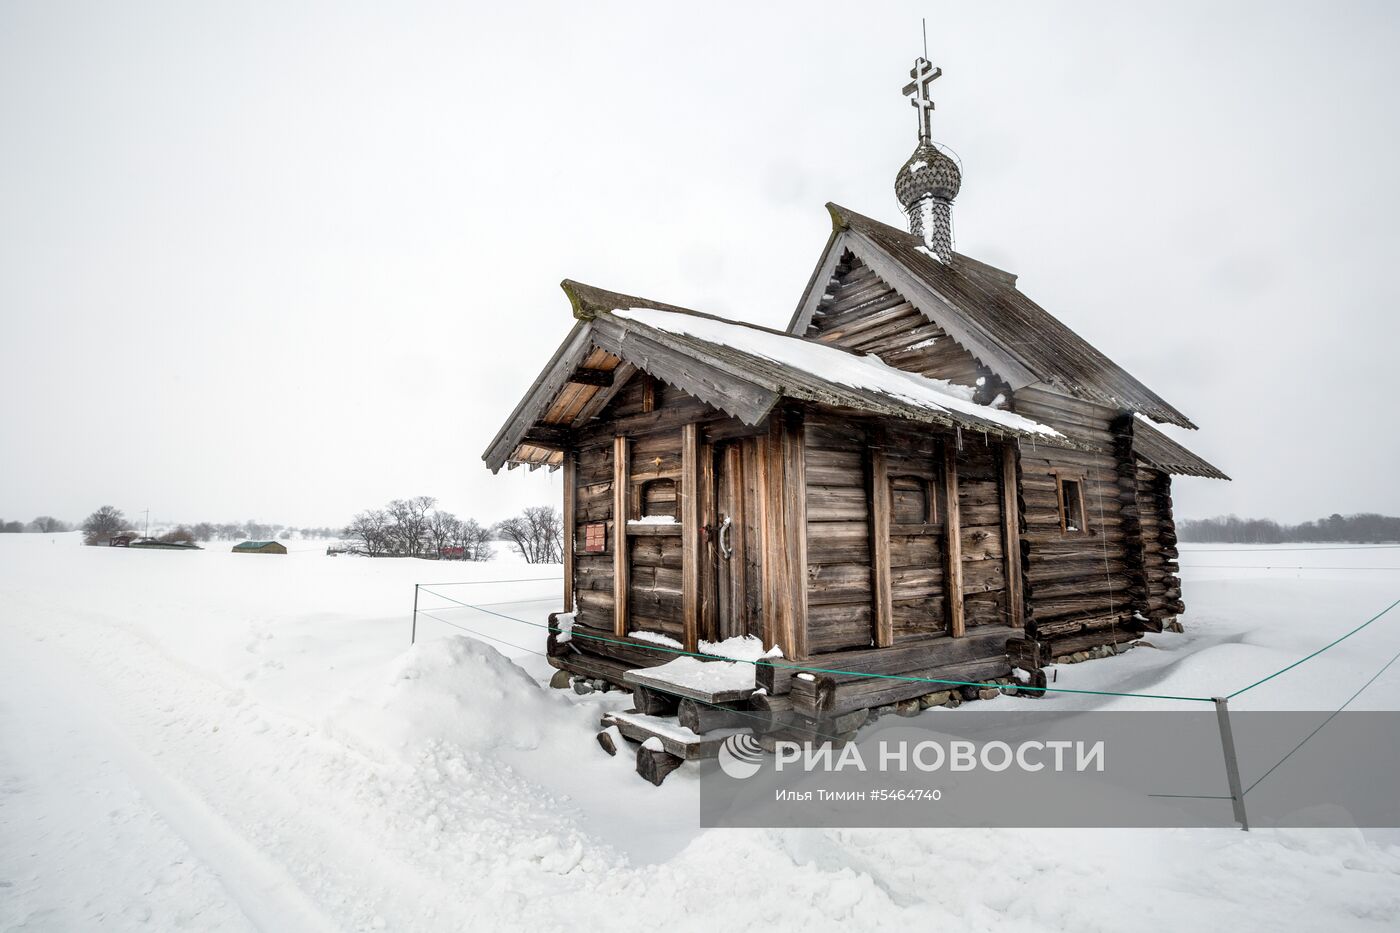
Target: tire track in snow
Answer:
pixel 266 895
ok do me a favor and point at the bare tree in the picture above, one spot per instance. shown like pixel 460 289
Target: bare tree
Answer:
pixel 443 529
pixel 410 523
pixel 178 535
pixel 101 525
pixel 47 524
pixel 373 529
pixel 537 534
pixel 475 541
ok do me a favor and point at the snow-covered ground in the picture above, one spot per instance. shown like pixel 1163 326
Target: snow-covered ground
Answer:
pixel 216 741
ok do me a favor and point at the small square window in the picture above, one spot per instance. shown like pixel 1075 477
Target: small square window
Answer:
pixel 595 537
pixel 1071 506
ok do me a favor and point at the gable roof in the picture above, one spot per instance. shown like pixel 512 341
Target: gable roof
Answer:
pixel 1157 450
pixel 742 369
pixel 981 308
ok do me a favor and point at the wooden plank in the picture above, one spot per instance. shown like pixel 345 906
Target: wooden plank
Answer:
pixel 570 525
pixel 655 531
pixel 767 461
pixel 646 678
pixel 952 542
pixel 794 479
pixel 541 394
pixel 708 611
pixel 1011 536
pixel 621 567
pixel 690 534
pixel 879 485
pixel 675 739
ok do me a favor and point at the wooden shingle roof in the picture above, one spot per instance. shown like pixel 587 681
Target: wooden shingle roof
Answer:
pixel 985 311
pixel 738 368
pixel 1160 452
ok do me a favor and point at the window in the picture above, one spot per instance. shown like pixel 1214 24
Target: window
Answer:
pixel 911 501
pixel 595 537
pixel 1071 495
pixel 659 498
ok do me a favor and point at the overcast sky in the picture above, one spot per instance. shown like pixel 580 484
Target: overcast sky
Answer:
pixel 288 261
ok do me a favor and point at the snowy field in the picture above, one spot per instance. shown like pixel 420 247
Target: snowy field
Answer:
pixel 210 741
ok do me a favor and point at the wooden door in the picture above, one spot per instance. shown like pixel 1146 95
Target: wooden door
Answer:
pixel 737 581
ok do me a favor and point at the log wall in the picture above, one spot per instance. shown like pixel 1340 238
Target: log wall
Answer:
pixel 1089 579
pixel 871 481
pixel 840 612
pixel 1159 552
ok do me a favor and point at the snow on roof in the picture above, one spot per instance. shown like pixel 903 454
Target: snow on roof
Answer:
pixel 868 373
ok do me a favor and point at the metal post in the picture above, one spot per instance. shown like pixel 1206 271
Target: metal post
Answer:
pixel 1232 765
pixel 413 636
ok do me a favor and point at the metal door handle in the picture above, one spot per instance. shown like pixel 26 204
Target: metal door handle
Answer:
pixel 725 550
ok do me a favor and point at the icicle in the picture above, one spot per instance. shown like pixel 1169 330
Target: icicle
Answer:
pixel 959 430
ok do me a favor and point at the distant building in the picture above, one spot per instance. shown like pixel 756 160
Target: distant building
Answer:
pixel 260 547
pixel 155 544
pixel 119 541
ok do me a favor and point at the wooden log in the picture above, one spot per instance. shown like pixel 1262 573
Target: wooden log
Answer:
pixel 655 765
pixel 702 717
pixel 770 713
pixel 836 699
pixel 1063 647
pixel 605 739
pixel 653 702
pixel 774 676
pixel 983 642
pixel 593 667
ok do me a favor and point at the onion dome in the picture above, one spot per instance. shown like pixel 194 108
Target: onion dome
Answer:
pixel 929 173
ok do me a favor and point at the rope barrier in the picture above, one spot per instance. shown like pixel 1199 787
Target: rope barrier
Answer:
pixel 819 670
pixel 1358 693
pixel 1315 653
pixel 482 607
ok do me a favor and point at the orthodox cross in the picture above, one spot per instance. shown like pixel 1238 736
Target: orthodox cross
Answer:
pixel 924 74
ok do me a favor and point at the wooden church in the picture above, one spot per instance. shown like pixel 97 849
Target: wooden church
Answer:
pixel 925 475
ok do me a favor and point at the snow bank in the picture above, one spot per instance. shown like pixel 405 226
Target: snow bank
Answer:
pixel 453 691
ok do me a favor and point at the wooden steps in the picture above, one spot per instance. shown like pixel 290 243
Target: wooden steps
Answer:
pixel 675 739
